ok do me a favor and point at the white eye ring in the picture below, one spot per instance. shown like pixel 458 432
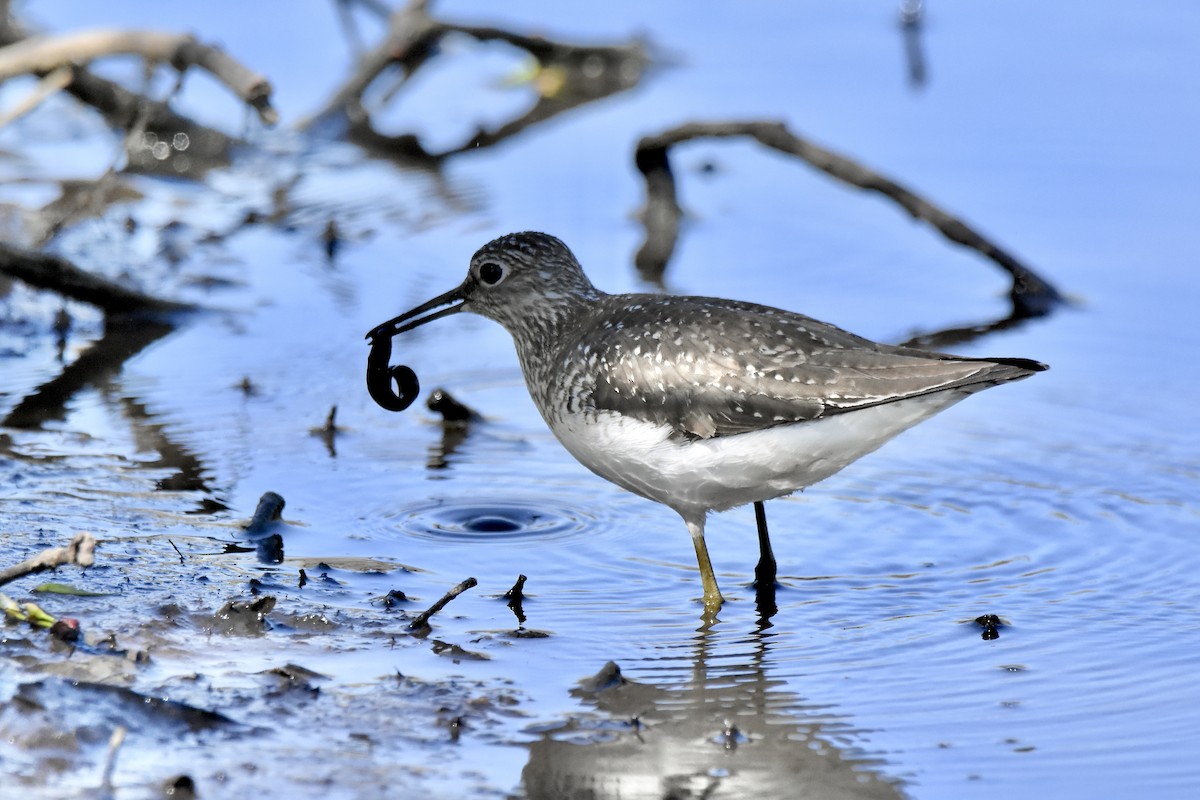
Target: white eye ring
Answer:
pixel 491 273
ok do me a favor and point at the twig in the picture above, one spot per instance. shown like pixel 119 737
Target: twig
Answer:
pixel 422 619
pixel 38 54
pixel 81 551
pixel 48 271
pixel 408 42
pixel 1030 294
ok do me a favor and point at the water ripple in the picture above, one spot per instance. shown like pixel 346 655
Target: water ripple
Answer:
pixel 490 520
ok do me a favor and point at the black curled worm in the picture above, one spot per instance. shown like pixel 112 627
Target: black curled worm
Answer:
pixel 380 377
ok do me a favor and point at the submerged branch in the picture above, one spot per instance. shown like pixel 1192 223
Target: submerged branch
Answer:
pixel 1030 294
pixel 422 620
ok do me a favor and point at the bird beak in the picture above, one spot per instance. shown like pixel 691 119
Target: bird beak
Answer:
pixel 413 319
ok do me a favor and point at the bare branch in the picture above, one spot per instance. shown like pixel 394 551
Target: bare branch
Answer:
pixel 47 271
pixel 581 74
pixel 40 54
pixel 126 110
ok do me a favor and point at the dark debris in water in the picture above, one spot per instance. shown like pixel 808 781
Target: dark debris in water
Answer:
pixel 393 598
pixel 293 678
pixel 528 633
pixel 239 617
pixel 457 653
pixel 329 432
pixel 453 411
pixel 991 625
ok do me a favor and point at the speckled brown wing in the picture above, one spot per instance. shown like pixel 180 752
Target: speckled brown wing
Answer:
pixel 716 374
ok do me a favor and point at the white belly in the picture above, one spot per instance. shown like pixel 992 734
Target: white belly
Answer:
pixel 727 471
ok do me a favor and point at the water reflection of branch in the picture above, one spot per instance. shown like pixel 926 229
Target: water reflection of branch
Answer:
pixel 188 470
pixel 133 321
pixel 687 740
pixel 123 338
pixel 1031 295
pixel 577 74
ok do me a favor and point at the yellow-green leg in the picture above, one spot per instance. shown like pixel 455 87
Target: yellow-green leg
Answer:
pixel 712 595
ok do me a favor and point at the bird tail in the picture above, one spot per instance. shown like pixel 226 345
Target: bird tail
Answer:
pixel 1003 370
pixel 1023 364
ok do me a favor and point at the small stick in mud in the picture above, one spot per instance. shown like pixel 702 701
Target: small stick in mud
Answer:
pixel 330 427
pixel 81 551
pixel 515 594
pixel 422 619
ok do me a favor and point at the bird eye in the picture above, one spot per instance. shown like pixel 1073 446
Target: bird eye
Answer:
pixel 491 273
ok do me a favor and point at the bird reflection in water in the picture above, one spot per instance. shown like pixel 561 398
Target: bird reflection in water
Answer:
pixel 726 730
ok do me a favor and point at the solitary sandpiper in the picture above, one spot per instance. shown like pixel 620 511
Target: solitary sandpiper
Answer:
pixel 700 403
